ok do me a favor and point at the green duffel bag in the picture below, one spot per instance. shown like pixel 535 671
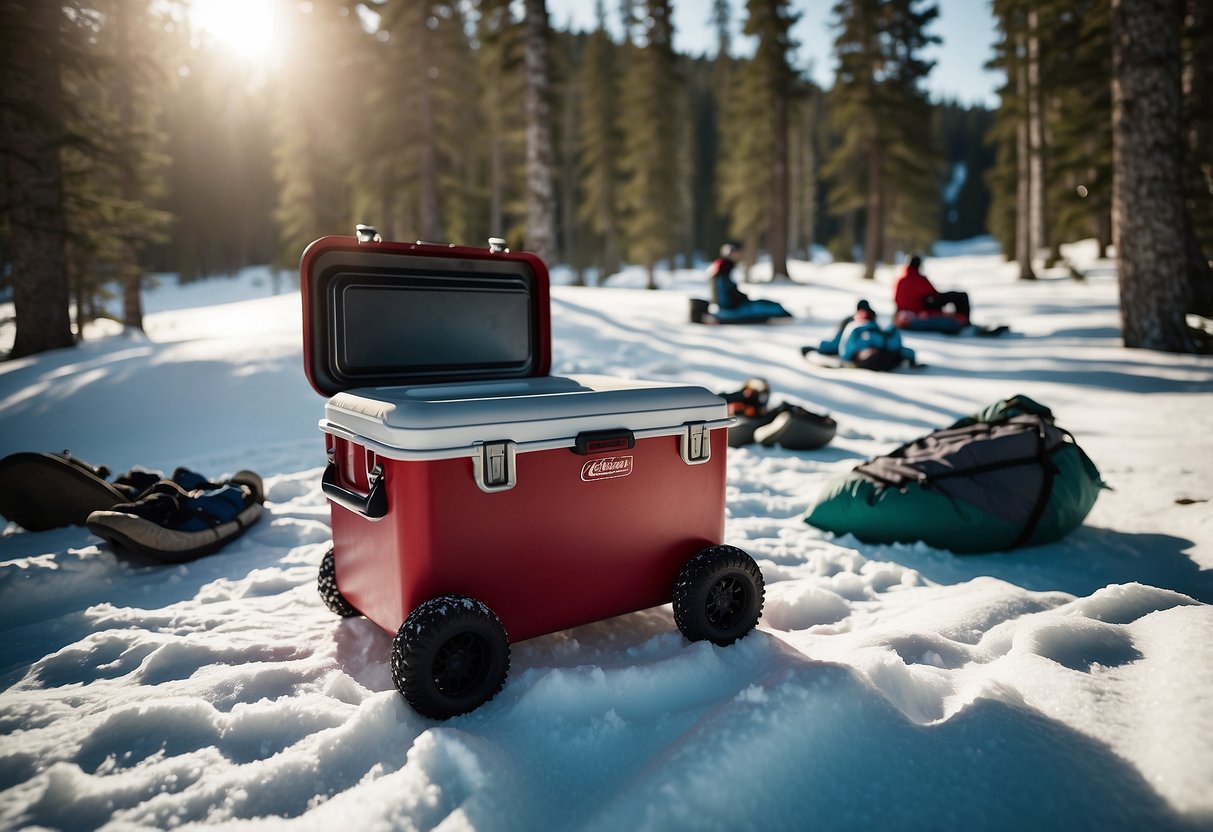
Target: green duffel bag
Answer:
pixel 1002 478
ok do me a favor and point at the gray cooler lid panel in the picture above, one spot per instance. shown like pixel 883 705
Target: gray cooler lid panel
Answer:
pixel 546 410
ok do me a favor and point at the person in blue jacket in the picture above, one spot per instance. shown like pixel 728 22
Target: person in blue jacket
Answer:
pixel 862 342
pixel 725 293
pixel 732 304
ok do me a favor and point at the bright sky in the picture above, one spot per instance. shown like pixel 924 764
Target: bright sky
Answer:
pixel 966 26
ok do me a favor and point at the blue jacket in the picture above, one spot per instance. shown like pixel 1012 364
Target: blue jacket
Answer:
pixel 859 335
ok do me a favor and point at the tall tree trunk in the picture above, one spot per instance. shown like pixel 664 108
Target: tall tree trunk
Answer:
pixel 568 178
pixel 750 247
pixel 847 235
pixel 777 235
pixel 31 122
pixel 496 219
pixel 1198 93
pixel 612 256
pixel 128 176
pixel 687 191
pixel 429 205
pixel 795 189
pixel 1200 272
pixel 1198 112
pixel 1036 139
pixel 1147 163
pixel 1025 245
pixel 386 221
pixel 800 173
pixel 540 217
pixel 76 279
pixel 1103 232
pixel 874 220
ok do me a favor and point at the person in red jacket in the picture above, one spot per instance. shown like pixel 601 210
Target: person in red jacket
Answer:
pixel 912 292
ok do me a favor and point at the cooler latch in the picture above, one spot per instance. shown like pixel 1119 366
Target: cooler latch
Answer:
pixel 493 466
pixel 696 445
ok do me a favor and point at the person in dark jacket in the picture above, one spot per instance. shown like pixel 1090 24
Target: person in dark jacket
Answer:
pixel 725 293
pixel 732 304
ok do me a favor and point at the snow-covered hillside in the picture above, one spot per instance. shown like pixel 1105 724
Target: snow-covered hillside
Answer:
pixel 902 687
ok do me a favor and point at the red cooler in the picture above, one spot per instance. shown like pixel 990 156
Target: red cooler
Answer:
pixel 477 500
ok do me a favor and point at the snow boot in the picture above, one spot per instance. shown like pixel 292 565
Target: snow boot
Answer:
pixel 172 525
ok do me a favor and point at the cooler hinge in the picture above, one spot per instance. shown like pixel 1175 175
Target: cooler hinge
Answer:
pixel 493 466
pixel 696 443
pixel 367 234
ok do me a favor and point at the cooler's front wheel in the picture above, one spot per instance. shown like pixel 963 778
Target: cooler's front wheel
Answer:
pixel 326 585
pixel 718 595
pixel 450 656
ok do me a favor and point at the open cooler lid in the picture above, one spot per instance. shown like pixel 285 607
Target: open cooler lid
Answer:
pixel 378 314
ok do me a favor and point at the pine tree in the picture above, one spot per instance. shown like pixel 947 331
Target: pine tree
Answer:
pixel 1077 62
pixel 540 189
pixel 499 58
pixel 32 129
pixel 709 107
pixel 130 146
pixel 771 22
pixel 114 174
pixel 1148 205
pixel 803 169
pixel 650 198
pixel 567 58
pixel 116 179
pixel 414 21
pixel 598 143
pixel 461 163
pixel 1012 179
pixel 706 224
pixel 886 160
pixel 1036 133
pixel 743 168
pixel 317 125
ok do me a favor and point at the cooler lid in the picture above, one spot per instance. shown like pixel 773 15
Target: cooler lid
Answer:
pixel 454 416
pixel 383 314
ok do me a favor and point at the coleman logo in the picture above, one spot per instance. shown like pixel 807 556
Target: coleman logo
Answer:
pixel 606 469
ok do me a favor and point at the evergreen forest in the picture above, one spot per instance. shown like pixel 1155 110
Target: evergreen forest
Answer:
pixel 133 143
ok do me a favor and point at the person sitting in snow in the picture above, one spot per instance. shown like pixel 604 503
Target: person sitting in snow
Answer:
pixel 923 307
pixel 861 342
pixel 732 304
pixel 725 293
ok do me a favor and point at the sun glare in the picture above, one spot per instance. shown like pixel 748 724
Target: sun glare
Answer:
pixel 249 28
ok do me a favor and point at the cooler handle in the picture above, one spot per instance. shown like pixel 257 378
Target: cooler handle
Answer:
pixel 603 441
pixel 372 506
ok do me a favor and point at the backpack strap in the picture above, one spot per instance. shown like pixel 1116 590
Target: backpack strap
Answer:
pixel 1050 472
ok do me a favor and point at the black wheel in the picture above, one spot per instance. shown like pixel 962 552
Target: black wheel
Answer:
pixel 326 584
pixel 718 595
pixel 450 656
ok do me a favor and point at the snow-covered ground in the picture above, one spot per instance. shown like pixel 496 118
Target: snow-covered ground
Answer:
pixel 887 687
